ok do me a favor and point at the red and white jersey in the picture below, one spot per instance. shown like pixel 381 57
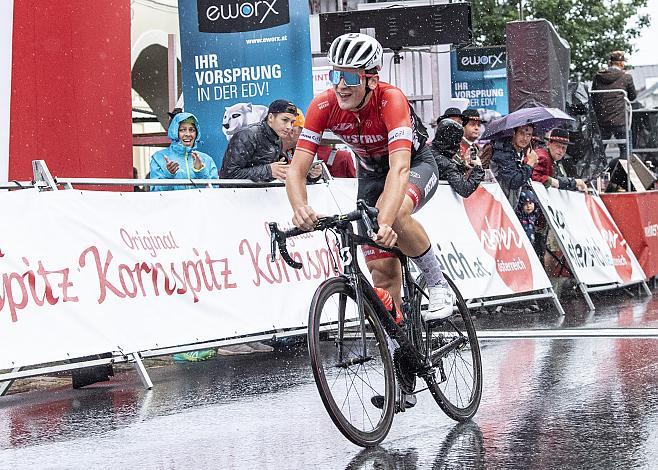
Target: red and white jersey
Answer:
pixel 385 124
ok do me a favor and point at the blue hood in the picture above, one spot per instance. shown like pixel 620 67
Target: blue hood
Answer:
pixel 172 133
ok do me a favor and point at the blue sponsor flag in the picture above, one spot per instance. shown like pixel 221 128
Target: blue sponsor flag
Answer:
pixel 480 75
pixel 238 56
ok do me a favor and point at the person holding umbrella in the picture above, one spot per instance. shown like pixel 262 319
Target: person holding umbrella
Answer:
pixel 513 160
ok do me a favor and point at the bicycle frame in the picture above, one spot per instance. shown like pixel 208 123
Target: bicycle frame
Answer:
pixel 349 242
pixel 361 286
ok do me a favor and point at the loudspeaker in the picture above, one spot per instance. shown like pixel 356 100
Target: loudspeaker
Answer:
pixel 396 28
pixel 538 62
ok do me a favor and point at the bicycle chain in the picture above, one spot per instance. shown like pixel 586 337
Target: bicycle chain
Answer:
pixel 406 379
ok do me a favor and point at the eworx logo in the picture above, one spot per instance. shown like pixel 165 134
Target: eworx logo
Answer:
pixel 482 59
pixel 231 16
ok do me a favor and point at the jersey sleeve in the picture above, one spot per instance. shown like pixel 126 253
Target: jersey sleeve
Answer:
pixel 317 117
pixel 396 117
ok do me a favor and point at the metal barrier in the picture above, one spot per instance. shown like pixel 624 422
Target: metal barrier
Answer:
pixel 44 181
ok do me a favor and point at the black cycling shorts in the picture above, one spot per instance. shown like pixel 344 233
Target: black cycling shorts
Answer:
pixel 423 179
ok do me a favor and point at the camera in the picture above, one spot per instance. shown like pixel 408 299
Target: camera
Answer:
pixel 474 153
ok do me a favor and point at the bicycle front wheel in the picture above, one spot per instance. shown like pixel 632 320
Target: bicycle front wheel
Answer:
pixel 456 379
pixel 351 363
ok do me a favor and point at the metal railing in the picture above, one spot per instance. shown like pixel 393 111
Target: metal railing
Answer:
pixel 43 181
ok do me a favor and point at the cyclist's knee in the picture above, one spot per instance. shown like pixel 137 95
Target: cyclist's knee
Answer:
pixel 385 272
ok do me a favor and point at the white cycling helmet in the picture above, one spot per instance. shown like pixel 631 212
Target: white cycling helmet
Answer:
pixel 355 51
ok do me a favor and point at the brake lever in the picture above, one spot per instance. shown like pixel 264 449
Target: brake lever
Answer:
pixel 273 231
pixel 277 237
pixel 369 217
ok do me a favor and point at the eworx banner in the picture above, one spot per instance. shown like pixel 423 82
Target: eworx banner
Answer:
pixel 596 249
pixel 479 74
pixel 90 272
pixel 238 57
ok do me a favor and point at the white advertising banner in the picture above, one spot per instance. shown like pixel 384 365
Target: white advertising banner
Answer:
pixel 594 245
pixel 6 31
pixel 86 272
pixel 479 241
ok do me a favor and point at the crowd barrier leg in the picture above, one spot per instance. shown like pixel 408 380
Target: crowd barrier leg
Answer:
pixel 588 299
pixel 646 287
pixel 141 370
pixel 4 386
pixel 555 300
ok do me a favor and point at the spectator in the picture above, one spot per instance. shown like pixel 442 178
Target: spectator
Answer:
pixel 289 142
pixel 259 152
pixel 472 124
pixel 513 160
pixel 549 170
pixel 181 160
pixel 255 151
pixel 464 176
pixel 175 162
pixel 451 113
pixel 610 108
pixel 528 213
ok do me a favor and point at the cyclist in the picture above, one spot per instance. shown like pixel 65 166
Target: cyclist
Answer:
pixel 397 172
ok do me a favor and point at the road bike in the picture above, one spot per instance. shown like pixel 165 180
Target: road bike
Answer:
pixel 365 364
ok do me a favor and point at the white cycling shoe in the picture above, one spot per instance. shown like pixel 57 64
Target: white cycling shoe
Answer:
pixel 442 300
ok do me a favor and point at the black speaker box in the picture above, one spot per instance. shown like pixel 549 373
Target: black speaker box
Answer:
pixel 537 65
pixel 396 28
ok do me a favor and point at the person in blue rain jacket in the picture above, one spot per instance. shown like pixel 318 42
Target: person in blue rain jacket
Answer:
pixel 181 160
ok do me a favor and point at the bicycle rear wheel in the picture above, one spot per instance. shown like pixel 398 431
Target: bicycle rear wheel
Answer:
pixel 347 378
pixel 456 379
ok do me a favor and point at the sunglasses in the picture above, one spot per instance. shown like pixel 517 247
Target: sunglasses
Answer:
pixel 350 78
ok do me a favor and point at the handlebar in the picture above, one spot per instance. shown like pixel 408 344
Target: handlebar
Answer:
pixel 368 215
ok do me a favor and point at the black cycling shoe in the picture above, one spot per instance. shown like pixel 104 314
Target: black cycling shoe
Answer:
pixel 409 401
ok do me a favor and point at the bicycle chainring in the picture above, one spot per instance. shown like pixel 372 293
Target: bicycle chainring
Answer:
pixel 406 379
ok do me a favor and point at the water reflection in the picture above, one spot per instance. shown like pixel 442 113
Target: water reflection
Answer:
pixel 65 414
pixel 461 448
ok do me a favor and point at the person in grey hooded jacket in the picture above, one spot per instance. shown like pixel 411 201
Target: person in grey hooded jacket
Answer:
pixel 254 152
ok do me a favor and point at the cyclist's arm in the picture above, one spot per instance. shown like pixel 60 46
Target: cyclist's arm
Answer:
pixel 396 117
pixel 303 215
pixel 316 119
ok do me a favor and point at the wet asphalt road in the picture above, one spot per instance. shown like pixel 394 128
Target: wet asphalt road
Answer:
pixel 549 403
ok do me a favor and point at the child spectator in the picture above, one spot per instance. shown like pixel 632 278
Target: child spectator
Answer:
pixel 528 213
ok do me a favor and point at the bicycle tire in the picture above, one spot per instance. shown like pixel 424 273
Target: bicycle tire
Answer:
pixel 460 393
pixel 346 388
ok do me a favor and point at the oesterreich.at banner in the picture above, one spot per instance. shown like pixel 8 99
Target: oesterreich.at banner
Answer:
pixel 597 250
pixel 240 56
pixel 481 244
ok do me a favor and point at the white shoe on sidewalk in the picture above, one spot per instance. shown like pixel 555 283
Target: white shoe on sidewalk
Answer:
pixel 442 299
